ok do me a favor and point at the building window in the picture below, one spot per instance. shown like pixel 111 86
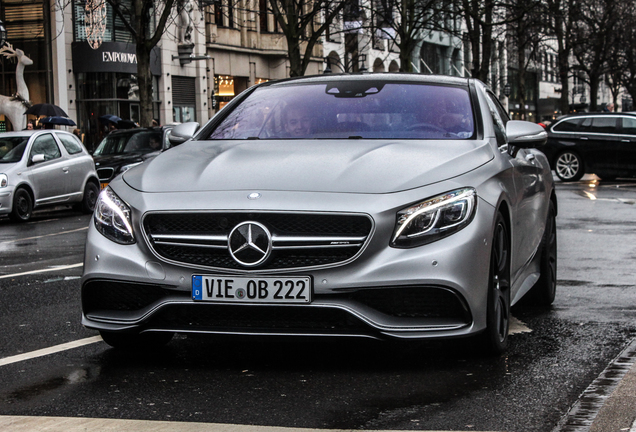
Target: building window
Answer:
pixel 115 31
pixel 183 99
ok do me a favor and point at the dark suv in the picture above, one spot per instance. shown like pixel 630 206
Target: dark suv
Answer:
pixel 124 149
pixel 599 143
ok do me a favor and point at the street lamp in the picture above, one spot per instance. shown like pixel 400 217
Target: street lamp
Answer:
pixel 3 34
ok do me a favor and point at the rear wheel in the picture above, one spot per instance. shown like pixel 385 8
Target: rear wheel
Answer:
pixel 22 206
pixel 569 166
pixel 495 337
pixel 544 290
pixel 91 191
pixel 136 341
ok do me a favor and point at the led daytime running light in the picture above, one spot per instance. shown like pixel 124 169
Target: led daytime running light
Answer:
pixel 429 206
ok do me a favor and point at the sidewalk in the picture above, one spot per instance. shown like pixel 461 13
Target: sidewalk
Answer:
pixel 609 403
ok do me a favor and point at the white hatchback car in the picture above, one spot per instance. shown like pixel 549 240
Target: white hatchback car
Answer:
pixel 44 167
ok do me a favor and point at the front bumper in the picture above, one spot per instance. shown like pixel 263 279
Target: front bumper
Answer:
pixel 436 290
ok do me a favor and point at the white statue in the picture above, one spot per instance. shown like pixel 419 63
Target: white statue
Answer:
pixel 185 22
pixel 14 107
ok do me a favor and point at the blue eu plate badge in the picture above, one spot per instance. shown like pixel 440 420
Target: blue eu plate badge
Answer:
pixel 197 288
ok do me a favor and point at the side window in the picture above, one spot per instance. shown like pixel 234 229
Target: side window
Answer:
pixel 45 145
pixel 629 126
pixel 71 143
pixel 605 125
pixel 568 125
pixel 498 123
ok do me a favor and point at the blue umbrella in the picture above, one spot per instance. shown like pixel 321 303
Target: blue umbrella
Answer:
pixel 57 120
pixel 109 118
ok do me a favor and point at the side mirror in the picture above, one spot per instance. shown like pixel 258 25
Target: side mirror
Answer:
pixel 38 158
pixel 182 133
pixel 525 134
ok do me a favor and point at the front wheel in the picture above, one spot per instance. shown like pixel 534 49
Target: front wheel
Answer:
pixel 495 338
pixel 569 166
pixel 22 206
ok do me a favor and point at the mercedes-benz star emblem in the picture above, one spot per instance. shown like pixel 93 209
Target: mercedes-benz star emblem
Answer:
pixel 250 243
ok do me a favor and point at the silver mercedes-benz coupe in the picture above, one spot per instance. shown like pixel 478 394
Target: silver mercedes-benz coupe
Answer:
pixel 386 206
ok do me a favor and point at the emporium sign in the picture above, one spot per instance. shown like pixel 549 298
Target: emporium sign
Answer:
pixel 111 57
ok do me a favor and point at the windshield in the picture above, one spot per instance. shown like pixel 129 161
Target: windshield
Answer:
pixel 351 109
pixel 124 143
pixel 12 149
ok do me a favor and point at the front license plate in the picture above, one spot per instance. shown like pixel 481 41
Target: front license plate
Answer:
pixel 103 186
pixel 251 289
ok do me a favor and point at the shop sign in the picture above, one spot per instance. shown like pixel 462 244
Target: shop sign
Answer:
pixel 111 57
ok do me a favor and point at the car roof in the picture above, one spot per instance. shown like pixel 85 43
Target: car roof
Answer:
pixel 596 113
pixel 32 132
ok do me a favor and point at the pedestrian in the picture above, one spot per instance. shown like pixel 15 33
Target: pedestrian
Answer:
pixel 155 123
pixel 78 133
pixel 30 125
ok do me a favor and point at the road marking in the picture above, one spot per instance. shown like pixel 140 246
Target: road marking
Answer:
pixel 44 235
pixel 70 424
pixel 43 270
pixel 50 350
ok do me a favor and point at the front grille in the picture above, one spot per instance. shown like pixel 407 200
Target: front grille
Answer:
pixel 254 318
pixel 105 174
pixel 298 240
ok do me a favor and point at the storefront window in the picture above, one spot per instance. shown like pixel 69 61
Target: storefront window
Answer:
pixel 101 93
pixel 26 30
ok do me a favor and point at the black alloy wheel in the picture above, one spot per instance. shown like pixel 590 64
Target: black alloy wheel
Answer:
pixel 569 166
pixel 22 206
pixel 498 310
pixel 544 290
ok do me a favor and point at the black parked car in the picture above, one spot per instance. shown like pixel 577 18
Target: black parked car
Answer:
pixel 599 143
pixel 123 149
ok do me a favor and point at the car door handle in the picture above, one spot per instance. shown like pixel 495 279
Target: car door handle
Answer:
pixel 626 140
pixel 65 169
pixel 584 138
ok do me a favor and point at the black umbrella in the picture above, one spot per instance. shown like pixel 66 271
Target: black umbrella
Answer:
pixel 45 109
pixel 58 121
pixel 109 118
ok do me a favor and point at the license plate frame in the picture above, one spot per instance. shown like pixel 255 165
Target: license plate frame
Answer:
pixel 252 289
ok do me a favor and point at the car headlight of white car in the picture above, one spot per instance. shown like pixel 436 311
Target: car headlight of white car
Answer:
pixel 434 218
pixel 4 180
pixel 112 218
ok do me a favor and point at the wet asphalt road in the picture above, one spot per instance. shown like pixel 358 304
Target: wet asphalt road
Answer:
pixel 325 384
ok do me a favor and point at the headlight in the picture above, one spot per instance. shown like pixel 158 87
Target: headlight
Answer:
pixel 435 218
pixel 129 166
pixel 4 180
pixel 112 218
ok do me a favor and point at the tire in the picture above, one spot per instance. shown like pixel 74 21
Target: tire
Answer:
pixel 22 209
pixel 91 191
pixel 569 166
pixel 544 291
pixel 495 337
pixel 136 341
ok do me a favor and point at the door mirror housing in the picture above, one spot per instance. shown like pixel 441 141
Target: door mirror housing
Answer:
pixel 524 134
pixel 38 158
pixel 182 133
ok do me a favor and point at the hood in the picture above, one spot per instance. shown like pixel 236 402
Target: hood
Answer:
pixel 346 166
